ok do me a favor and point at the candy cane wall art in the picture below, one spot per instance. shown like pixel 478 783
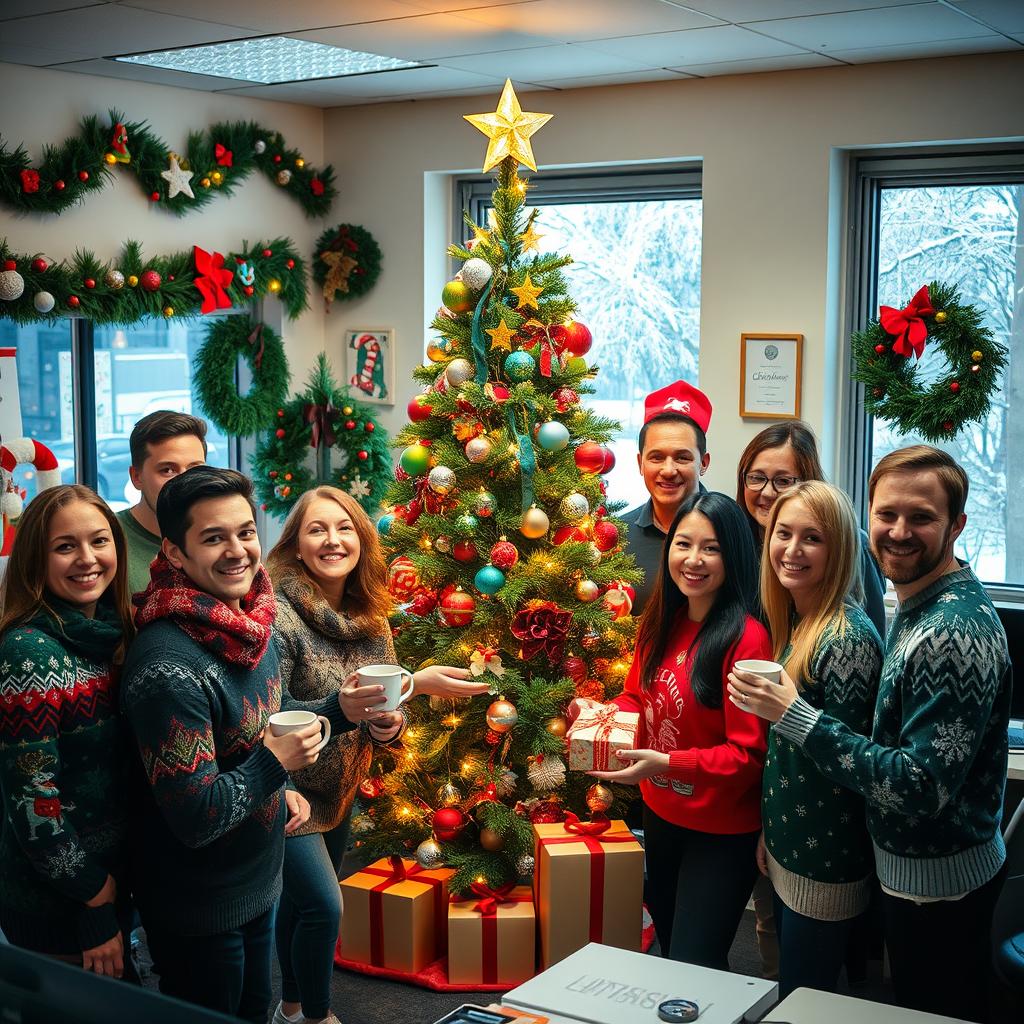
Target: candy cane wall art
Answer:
pixel 370 363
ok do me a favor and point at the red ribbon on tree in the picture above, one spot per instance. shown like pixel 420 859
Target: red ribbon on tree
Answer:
pixel 212 280
pixel 321 417
pixel 223 156
pixel 908 324
pixel 400 873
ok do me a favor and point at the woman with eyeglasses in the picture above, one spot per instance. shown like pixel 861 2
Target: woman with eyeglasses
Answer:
pixel 778 458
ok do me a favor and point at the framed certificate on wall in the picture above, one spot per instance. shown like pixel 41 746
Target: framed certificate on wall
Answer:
pixel 770 376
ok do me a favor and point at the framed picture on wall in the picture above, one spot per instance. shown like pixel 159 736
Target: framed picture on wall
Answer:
pixel 370 364
pixel 770 376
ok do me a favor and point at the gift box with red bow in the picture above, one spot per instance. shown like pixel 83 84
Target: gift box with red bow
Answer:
pixel 588 884
pixel 600 730
pixel 492 936
pixel 395 914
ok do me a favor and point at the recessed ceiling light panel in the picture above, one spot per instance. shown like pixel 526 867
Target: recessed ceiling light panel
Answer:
pixel 269 59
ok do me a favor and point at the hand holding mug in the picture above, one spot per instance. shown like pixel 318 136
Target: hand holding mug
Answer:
pixel 294 738
pixel 755 690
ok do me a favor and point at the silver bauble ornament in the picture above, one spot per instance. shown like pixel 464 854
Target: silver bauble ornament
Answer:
pixel 362 824
pixel 587 591
pixel 43 302
pixel 284 176
pixel 478 449
pixel 574 507
pixel 594 553
pixel 476 273
pixel 524 865
pixel 114 280
pixel 484 504
pixel 429 855
pixel 443 544
pixel 459 371
pixel 441 479
pixel 448 795
pixel 12 285
pixel 259 146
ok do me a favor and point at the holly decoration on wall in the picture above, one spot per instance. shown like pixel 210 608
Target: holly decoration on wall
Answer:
pixel 133 286
pixel 213 375
pixel 215 162
pixel 887 352
pixel 346 262
pixel 295 452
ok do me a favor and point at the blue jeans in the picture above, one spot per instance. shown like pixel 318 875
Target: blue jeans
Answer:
pixel 308 917
pixel 811 953
pixel 228 972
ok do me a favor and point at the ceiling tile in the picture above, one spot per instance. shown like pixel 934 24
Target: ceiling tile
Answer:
pixel 110 29
pixel 408 82
pixel 297 93
pixel 574 20
pixel 33 56
pixel 759 10
pixel 697 46
pixel 746 67
pixel 591 81
pixel 913 23
pixel 275 16
pixel 142 73
pixel 1004 15
pixel 425 37
pixel 450 6
pixel 24 8
pixel 917 51
pixel 544 63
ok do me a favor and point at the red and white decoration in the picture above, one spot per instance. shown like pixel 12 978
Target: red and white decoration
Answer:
pixel 23 451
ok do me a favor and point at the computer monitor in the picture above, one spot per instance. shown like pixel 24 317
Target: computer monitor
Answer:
pixel 35 988
pixel 1013 622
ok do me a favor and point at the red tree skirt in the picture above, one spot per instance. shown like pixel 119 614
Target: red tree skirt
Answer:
pixel 435 976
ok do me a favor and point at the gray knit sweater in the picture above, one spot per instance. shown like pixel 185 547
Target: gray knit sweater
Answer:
pixel 318 649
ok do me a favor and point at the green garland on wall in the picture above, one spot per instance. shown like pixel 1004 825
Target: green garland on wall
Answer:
pixel 322 417
pixel 132 287
pixel 346 262
pixel 214 375
pixel 215 161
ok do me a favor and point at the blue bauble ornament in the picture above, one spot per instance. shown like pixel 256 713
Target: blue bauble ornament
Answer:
pixel 552 436
pixel 489 580
pixel 384 523
pixel 519 366
pixel 467 523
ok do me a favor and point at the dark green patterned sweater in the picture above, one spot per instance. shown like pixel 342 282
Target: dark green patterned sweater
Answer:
pixel 820 859
pixel 934 770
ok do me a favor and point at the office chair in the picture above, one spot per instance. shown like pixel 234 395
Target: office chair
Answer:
pixel 1008 919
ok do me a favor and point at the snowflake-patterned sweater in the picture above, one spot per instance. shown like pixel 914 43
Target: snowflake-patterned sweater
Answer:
pixel 63 785
pixel 716 755
pixel 819 853
pixel 934 770
pixel 207 839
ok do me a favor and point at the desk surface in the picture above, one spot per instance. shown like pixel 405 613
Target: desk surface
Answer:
pixel 807 1006
pixel 1015 766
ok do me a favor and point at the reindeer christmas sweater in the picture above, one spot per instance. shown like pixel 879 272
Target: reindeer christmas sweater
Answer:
pixel 63 789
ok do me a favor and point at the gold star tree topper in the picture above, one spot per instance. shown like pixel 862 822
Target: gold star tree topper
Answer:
pixel 509 129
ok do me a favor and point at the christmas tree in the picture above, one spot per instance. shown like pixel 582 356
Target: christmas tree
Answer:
pixel 505 556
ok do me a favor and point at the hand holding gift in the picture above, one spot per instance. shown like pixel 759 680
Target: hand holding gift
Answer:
pixel 599 730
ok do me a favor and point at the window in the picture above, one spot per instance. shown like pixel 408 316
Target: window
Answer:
pixel 956 219
pixel 635 239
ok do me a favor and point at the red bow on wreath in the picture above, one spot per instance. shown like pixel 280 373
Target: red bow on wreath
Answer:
pixel 908 324
pixel 321 417
pixel 29 180
pixel 211 280
pixel 542 627
pixel 223 156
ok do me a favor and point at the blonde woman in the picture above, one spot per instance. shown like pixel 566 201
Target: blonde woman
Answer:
pixel 815 846
pixel 330 579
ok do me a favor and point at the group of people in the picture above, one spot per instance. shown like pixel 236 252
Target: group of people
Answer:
pixel 885 760
pixel 141 656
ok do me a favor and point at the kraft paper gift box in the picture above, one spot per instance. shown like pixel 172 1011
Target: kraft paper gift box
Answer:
pixel 492 937
pixel 395 915
pixel 588 884
pixel 597 733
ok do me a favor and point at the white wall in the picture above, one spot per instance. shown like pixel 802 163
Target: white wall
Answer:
pixel 773 196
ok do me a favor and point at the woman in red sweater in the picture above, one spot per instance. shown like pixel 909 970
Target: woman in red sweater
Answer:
pixel 700 767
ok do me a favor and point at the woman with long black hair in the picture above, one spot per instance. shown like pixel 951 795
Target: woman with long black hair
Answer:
pixel 700 763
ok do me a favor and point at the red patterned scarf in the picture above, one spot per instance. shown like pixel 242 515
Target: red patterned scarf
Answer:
pixel 238 637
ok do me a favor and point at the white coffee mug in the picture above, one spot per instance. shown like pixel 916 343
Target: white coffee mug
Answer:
pixel 393 678
pixel 289 721
pixel 771 670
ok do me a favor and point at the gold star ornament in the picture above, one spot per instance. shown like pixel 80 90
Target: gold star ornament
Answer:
pixel 501 336
pixel 509 129
pixel 530 238
pixel 527 293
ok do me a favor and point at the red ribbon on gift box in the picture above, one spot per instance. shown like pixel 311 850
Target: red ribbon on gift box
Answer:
pixel 399 873
pixel 487 907
pixel 602 718
pixel 592 834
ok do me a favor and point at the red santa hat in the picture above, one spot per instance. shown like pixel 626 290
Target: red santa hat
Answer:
pixel 680 398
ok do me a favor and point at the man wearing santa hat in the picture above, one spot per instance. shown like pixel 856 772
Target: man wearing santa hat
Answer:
pixel 673 456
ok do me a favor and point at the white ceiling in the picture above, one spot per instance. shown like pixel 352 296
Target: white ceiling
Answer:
pixel 473 45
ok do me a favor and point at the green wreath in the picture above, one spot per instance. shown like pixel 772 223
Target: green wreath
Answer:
pixel 346 262
pixel 214 377
pixel 885 361
pixel 326 414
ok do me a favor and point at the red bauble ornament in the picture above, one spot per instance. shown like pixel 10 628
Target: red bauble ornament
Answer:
pixel 279 433
pixel 606 535
pixel 154 197
pixel 879 349
pixel 418 409
pixel 457 607
pixel 290 264
pixel 463 551
pixel 369 427
pixel 39 265
pixel 492 738
pixel 497 392
pixel 362 456
pixel 372 787
pixel 424 601
pixel 83 175
pixel 280 413
pixel 58 185
pixel 609 460
pixel 267 253
pixel 263 506
pixel 73 301
pixel 447 823
pixel 574 667
pixel 578 338
pixel 546 812
pixel 565 534
pixel 565 398
pixel 248 289
pixel 954 387
pixel 150 280
pixel 10 265
pixel 589 457
pixel 403 578
pixel 619 598
pixel 89 283
pixel 504 555
pixel 277 158
pixel 272 474
pixel 350 424
pixel 948 425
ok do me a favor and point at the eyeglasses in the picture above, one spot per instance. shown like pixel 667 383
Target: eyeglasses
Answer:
pixel 758 482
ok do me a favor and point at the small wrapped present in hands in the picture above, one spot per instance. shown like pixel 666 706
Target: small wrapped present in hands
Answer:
pixel 599 731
